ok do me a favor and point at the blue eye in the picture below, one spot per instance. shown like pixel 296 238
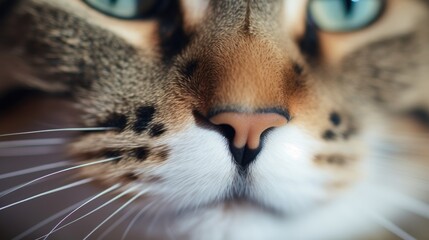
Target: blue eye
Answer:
pixel 127 8
pixel 344 15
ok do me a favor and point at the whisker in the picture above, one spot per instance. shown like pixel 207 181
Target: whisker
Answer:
pixel 114 213
pixel 410 204
pixel 32 142
pixel 153 222
pixel 391 227
pixel 47 220
pixel 115 224
pixel 74 184
pixel 133 221
pixel 57 172
pixel 34 169
pixel 96 209
pixel 407 169
pixel 85 203
pixel 9 189
pixel 418 207
pixel 58 130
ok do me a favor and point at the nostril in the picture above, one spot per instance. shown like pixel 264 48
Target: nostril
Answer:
pixel 227 131
pixel 245 131
pixel 244 156
pixel 248 127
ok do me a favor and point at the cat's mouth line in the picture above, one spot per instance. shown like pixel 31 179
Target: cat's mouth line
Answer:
pixel 239 202
pixel 233 203
pixel 237 196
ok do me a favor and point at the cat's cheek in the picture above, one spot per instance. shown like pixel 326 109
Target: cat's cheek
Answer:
pixel 285 177
pixel 199 170
pixel 284 174
pixel 297 172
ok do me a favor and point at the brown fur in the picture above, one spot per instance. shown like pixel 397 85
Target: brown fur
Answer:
pixel 246 62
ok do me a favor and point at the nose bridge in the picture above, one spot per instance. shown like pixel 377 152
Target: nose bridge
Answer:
pixel 251 17
pixel 251 74
pixel 248 62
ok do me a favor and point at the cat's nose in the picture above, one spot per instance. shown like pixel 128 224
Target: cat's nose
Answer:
pixel 248 129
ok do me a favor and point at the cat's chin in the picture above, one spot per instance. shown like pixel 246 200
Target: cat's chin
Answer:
pixel 247 219
pixel 236 204
pixel 244 219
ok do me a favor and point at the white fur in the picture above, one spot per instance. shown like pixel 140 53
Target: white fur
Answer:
pixel 200 171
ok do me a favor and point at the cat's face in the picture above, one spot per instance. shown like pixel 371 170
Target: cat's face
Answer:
pixel 225 107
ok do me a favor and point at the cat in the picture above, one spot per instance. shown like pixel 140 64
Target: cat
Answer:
pixel 226 119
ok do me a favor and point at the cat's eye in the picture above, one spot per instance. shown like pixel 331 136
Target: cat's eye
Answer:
pixel 344 15
pixel 127 9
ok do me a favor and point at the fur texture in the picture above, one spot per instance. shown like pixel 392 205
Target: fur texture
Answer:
pixel 157 80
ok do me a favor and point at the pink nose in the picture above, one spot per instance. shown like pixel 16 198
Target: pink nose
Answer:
pixel 248 127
